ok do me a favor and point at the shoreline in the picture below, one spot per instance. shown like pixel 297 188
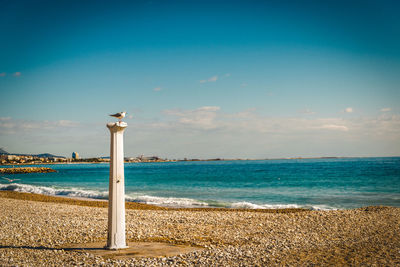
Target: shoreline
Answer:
pixel 102 203
pixel 18 191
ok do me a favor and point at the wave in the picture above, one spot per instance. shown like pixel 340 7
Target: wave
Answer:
pixel 152 200
pixel 248 205
pixel 44 190
pixel 168 201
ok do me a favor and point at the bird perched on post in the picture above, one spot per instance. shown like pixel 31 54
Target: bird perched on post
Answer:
pixel 119 115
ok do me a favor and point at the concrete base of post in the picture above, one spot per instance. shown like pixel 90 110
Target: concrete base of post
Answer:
pixel 135 250
pixel 115 247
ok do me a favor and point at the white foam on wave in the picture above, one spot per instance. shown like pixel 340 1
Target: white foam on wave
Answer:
pixel 153 200
pixel 44 190
pixel 80 193
pixel 249 205
pixel 168 201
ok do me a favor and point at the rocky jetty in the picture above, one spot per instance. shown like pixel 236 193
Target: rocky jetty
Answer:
pixel 26 170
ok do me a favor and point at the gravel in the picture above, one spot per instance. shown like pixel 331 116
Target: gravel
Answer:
pixel 34 234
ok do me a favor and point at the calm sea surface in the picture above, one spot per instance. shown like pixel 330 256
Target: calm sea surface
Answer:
pixel 311 183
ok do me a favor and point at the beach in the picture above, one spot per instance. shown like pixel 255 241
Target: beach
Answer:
pixel 33 232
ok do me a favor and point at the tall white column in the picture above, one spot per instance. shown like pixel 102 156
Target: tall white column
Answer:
pixel 116 198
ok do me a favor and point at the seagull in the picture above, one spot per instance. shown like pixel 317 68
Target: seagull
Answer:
pixel 119 115
pixel 10 180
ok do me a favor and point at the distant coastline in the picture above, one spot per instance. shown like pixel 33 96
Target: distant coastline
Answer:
pixel 52 161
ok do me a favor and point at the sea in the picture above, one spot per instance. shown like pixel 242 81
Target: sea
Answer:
pixel 318 184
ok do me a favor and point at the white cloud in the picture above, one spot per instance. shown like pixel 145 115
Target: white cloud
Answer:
pixel 248 113
pixel 335 127
pixel 209 108
pixel 211 79
pixel 307 111
pixel 210 118
pixel 200 118
pixel 227 75
pixel 348 110
pixel 157 89
pixel 209 131
pixel 386 109
pixel 65 123
pixel 243 85
pixel 7 125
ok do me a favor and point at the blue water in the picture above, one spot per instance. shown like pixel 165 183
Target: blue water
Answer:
pixel 310 183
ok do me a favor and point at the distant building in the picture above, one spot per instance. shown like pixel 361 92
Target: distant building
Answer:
pixel 12 157
pixel 75 155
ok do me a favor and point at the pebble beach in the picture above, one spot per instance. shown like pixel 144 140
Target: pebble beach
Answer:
pixel 37 233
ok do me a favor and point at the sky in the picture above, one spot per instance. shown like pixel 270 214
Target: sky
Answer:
pixel 201 79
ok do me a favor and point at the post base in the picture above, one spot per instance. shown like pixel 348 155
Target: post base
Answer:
pixel 115 248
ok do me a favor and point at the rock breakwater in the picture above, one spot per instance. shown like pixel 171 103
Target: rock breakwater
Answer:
pixel 26 170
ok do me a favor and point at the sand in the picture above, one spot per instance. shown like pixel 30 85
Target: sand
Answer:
pixel 37 232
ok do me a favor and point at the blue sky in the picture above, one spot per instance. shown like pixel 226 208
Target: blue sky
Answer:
pixel 252 79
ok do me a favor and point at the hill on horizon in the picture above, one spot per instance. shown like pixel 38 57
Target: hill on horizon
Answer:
pixel 47 155
pixel 42 155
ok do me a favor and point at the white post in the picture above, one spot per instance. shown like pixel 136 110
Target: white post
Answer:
pixel 116 198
